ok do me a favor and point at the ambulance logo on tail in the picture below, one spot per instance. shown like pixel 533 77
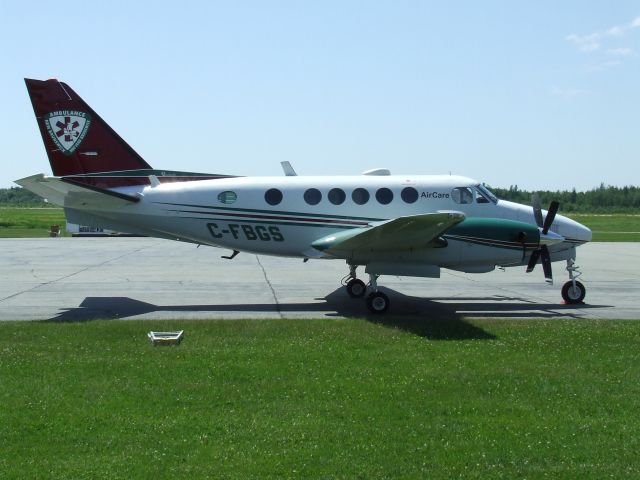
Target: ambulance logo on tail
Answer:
pixel 67 129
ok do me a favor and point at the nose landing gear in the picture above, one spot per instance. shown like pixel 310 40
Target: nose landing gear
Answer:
pixel 573 292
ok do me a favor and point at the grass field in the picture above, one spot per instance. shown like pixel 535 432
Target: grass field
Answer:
pixel 611 228
pixel 36 222
pixel 30 222
pixel 321 398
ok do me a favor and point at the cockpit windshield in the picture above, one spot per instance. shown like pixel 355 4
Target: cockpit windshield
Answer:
pixel 484 195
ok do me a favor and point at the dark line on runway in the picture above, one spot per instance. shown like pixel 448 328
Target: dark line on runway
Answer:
pixel 273 292
pixel 71 274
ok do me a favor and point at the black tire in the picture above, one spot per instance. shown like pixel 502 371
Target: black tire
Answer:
pixel 356 288
pixel 378 302
pixel 573 295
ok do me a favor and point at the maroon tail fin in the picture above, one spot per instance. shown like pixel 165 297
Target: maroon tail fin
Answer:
pixel 76 139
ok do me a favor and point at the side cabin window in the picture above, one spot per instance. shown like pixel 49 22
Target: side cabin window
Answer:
pixel 384 196
pixel 462 195
pixel 409 195
pixel 337 196
pixel 273 196
pixel 313 196
pixel 360 196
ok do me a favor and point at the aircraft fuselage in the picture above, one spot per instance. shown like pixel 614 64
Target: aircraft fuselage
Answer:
pixel 285 215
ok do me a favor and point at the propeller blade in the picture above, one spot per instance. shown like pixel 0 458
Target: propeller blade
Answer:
pixel 546 264
pixel 551 215
pixel 537 209
pixel 535 255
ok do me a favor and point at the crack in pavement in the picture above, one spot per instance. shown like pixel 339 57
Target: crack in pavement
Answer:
pixel 71 274
pixel 273 292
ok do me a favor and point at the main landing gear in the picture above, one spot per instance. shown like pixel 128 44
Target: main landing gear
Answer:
pixel 573 291
pixel 355 287
pixel 377 302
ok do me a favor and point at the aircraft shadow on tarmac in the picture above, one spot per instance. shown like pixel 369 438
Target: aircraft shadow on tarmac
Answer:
pixel 435 318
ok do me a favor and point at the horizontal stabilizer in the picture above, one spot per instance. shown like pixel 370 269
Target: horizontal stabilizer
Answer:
pixel 414 231
pixel 72 194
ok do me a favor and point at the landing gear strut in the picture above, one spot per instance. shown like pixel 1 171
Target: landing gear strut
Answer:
pixel 355 287
pixel 377 302
pixel 573 291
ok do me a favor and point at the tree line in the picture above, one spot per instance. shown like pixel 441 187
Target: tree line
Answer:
pixel 21 197
pixel 603 199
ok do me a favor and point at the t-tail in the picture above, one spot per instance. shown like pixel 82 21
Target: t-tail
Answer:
pixel 83 148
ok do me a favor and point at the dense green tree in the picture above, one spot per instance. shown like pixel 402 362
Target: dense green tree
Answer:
pixel 602 199
pixel 20 197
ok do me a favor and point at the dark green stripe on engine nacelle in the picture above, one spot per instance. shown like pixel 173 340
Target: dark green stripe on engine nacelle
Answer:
pixel 497 231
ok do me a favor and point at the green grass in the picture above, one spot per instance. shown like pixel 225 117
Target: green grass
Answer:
pixel 321 398
pixel 36 222
pixel 30 222
pixel 611 228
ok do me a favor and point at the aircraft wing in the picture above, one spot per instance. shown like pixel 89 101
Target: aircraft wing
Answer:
pixel 414 231
pixel 72 194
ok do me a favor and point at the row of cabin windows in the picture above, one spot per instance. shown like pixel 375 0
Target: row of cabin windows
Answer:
pixel 337 196
pixel 360 196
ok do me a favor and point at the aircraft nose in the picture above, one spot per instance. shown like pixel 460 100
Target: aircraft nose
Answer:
pixel 582 233
pixel 573 231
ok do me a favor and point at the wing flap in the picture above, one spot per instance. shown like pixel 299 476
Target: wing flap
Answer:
pixel 414 231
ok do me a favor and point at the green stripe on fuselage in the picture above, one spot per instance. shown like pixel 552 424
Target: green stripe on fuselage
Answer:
pixel 269 222
pixel 276 212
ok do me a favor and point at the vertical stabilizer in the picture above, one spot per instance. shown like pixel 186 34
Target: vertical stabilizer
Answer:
pixel 77 140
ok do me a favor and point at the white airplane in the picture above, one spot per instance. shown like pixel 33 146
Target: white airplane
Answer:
pixel 405 225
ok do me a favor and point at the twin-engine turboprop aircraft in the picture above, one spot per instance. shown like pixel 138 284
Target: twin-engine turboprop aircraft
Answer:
pixel 411 225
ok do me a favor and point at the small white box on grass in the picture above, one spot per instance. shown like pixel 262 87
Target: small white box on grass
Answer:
pixel 165 338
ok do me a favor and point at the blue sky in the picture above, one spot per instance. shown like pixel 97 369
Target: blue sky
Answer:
pixel 545 94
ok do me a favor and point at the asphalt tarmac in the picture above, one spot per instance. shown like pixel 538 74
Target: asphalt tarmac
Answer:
pixel 80 279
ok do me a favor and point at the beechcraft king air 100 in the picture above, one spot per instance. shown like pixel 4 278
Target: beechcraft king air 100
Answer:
pixel 405 225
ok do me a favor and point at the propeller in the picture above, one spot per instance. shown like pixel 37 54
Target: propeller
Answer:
pixel 546 238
